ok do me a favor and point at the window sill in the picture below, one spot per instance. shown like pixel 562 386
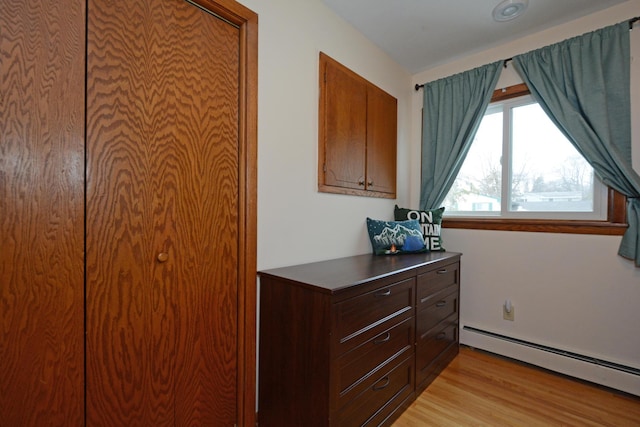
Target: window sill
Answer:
pixel 537 225
pixel 615 225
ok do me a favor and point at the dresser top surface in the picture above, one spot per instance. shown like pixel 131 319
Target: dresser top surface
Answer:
pixel 336 274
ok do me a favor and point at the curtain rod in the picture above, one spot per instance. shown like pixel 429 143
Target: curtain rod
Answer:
pixel 504 62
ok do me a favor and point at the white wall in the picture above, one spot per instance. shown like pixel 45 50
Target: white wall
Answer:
pixel 569 291
pixel 296 223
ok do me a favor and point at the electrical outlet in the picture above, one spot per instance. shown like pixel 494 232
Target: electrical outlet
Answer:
pixel 508 315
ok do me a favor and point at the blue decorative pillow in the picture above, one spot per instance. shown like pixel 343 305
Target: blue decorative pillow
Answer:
pixel 430 221
pixel 395 237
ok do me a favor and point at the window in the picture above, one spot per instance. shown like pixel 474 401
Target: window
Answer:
pixel 521 173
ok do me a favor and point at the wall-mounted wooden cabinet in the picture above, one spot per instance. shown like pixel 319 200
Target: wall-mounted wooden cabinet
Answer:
pixel 357 134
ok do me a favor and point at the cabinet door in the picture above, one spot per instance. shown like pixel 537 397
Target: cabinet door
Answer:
pixel 345 128
pixel 357 134
pixel 41 212
pixel 381 141
pixel 162 215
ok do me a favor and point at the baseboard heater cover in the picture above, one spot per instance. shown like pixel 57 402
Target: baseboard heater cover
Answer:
pixel 577 356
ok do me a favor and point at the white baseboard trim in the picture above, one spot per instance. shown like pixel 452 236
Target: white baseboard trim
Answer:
pixel 618 377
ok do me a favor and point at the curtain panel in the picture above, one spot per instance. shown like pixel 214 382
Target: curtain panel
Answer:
pixel 583 84
pixel 452 111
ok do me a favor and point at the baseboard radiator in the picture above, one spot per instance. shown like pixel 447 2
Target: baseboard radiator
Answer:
pixel 603 372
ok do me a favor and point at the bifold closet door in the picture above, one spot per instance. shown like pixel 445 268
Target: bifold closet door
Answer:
pixel 162 215
pixel 42 212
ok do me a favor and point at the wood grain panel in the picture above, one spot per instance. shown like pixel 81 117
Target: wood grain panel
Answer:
pixel 356 134
pixel 163 177
pixel 382 135
pixel 346 127
pixel 41 212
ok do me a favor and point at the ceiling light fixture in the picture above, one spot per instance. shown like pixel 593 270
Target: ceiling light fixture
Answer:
pixel 509 9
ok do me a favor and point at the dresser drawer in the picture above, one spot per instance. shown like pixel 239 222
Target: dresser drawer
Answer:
pixel 436 341
pixel 435 280
pixel 428 368
pixel 425 374
pixel 438 307
pixel 376 398
pixel 357 318
pixel 356 365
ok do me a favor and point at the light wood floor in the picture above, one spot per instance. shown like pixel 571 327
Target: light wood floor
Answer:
pixel 480 389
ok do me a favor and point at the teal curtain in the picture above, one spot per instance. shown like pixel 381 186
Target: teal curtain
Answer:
pixel 452 111
pixel 583 84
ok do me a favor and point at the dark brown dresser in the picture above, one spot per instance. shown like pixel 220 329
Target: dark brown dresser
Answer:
pixel 352 341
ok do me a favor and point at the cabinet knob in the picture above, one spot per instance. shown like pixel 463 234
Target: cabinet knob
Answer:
pixel 370 183
pixel 361 182
pixel 163 257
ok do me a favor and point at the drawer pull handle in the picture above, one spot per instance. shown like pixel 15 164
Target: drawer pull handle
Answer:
pixel 441 303
pixel 385 382
pixel 383 340
pixel 383 293
pixel 441 336
pixel 443 271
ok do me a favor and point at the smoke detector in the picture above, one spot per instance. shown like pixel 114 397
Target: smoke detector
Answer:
pixel 509 9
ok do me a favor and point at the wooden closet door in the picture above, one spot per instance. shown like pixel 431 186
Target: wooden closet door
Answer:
pixel 41 212
pixel 163 215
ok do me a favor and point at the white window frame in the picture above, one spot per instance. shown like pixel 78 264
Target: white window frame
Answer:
pixel 600 196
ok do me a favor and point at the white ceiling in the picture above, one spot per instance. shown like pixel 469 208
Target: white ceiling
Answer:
pixel 420 34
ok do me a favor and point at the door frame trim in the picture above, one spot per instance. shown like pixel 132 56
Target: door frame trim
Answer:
pixel 247 22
